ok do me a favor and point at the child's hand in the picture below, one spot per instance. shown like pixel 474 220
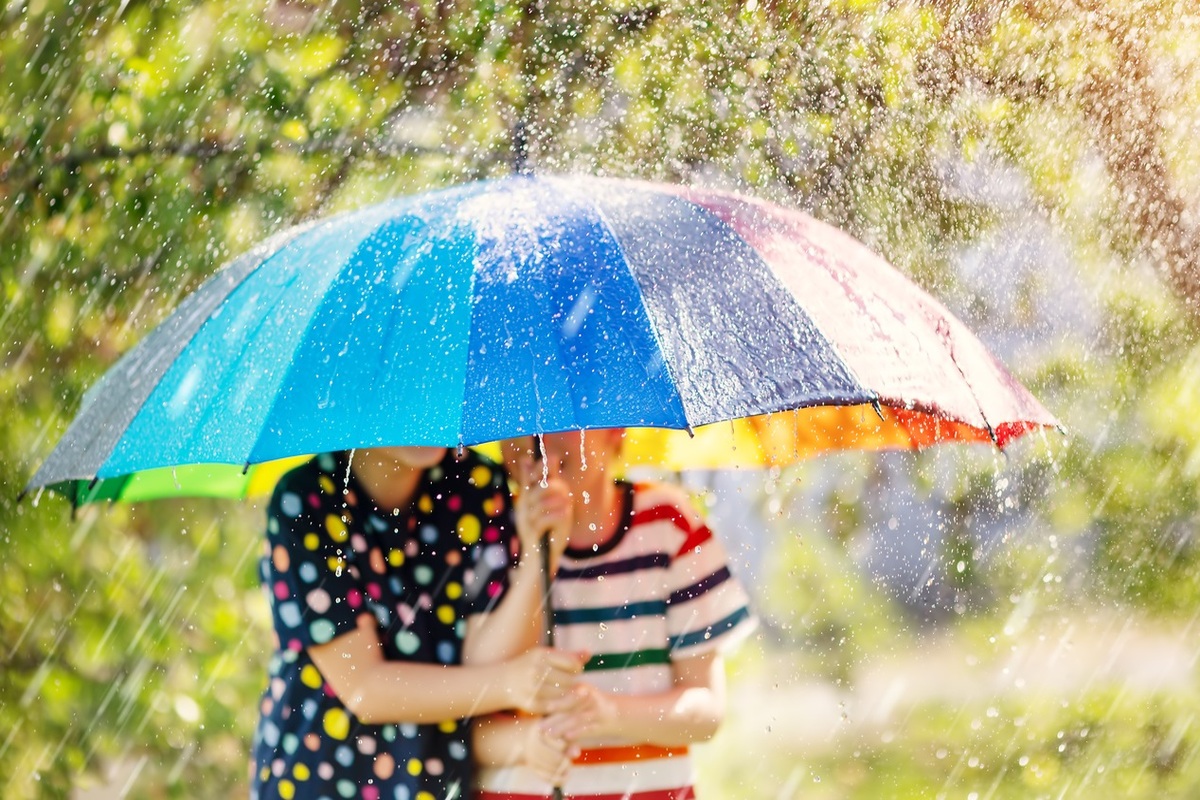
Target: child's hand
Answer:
pixel 542 505
pixel 549 756
pixel 539 677
pixel 584 713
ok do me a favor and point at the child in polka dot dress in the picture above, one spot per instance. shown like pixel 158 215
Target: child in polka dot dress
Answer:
pixel 400 610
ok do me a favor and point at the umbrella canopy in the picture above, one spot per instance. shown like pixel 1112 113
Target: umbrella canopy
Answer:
pixel 537 304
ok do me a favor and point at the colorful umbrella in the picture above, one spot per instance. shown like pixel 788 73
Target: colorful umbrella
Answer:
pixel 536 304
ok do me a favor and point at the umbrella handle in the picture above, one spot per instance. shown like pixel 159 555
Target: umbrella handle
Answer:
pixel 557 792
pixel 546 579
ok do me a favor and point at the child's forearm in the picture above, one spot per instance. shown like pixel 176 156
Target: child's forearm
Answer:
pixel 684 715
pixel 504 740
pixel 680 716
pixel 395 692
pixel 378 690
pixel 499 739
pixel 689 712
pixel 517 624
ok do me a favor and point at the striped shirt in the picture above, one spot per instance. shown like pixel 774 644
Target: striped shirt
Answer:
pixel 659 590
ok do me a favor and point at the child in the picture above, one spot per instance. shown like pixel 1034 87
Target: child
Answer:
pixel 644 587
pixel 398 615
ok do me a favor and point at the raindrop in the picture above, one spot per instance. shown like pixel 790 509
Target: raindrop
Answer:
pixel 582 458
pixel 346 480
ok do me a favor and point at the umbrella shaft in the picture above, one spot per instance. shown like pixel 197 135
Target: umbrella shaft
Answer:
pixel 557 794
pixel 546 589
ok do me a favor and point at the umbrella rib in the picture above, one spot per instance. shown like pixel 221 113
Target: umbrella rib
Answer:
pixel 954 360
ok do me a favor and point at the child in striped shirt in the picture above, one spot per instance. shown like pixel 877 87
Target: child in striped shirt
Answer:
pixel 644 587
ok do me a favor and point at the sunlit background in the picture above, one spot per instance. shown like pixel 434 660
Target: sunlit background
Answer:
pixel 960 623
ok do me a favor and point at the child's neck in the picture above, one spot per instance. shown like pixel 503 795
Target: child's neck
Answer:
pixel 596 520
pixel 390 485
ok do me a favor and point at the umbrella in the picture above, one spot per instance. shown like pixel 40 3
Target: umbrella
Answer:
pixel 533 304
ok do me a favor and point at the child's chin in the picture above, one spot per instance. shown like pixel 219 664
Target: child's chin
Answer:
pixel 420 457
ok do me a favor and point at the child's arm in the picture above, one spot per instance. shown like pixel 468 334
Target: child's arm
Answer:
pixel 519 621
pixel 377 690
pixel 510 740
pixel 690 712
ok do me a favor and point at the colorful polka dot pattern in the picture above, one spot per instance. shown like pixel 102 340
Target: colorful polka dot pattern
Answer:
pixel 330 556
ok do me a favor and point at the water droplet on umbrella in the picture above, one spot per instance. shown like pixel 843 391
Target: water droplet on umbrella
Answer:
pixel 541 443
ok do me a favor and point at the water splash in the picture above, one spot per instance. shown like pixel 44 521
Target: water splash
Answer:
pixel 541 446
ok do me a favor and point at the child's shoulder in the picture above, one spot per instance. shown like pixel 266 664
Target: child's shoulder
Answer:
pixel 658 493
pixel 307 477
pixel 653 500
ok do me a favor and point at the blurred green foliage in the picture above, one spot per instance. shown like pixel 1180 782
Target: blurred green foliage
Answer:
pixel 1100 745
pixel 144 142
pixel 959 721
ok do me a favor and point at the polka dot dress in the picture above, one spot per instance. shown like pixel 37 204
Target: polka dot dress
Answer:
pixel 331 555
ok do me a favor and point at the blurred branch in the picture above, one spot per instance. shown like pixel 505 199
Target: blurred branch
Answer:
pixel 1116 99
pixel 345 146
pixel 1126 121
